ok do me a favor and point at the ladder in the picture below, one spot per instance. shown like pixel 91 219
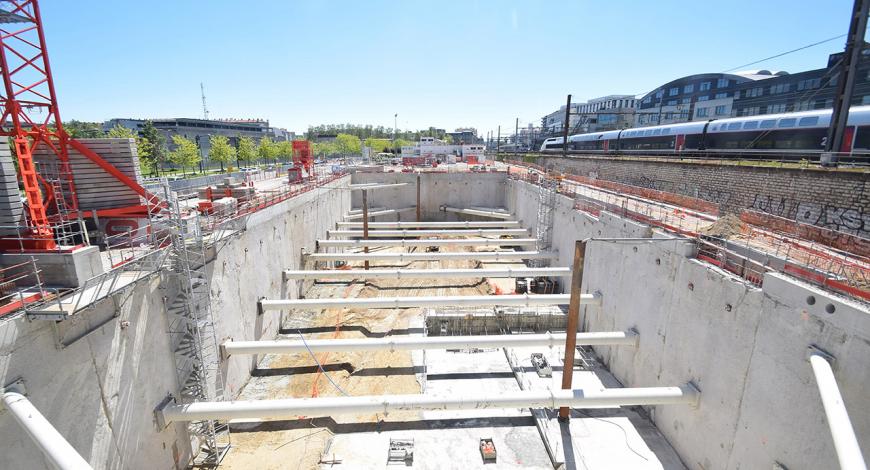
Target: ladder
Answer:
pixel 546 208
pixel 192 332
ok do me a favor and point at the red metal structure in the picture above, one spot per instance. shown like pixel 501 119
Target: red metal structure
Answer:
pixel 302 155
pixel 31 118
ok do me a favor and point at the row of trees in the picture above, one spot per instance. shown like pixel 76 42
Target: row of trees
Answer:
pixel 365 132
pixel 154 154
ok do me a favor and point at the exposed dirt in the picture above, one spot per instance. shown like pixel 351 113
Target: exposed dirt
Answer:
pixel 274 446
pixel 726 227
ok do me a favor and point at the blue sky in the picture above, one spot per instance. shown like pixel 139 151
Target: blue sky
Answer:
pixel 445 64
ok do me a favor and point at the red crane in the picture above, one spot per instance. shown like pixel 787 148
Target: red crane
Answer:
pixel 31 118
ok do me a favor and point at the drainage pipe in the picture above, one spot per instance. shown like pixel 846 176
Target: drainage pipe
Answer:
pixel 430 233
pixel 412 343
pixel 425 273
pixel 412 225
pixel 478 212
pixel 376 213
pixel 430 242
pixel 293 408
pixel 354 187
pixel 56 449
pixel 523 300
pixel 465 255
pixel 845 441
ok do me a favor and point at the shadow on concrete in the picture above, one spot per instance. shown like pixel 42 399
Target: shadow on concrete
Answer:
pixel 384 426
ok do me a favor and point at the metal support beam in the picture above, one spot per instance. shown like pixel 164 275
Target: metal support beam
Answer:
pixel 414 225
pixel 429 242
pixel 365 222
pixel 408 257
pixel 293 408
pixel 573 321
pixel 524 300
pixel 848 69
pixel 425 273
pixel 356 187
pixel 376 213
pixel 478 212
pixel 845 441
pixel 411 343
pixel 419 205
pixel 566 129
pixel 430 233
pixel 53 445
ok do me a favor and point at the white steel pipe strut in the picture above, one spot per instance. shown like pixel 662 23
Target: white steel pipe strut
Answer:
pixel 465 255
pixel 412 343
pixel 845 441
pixel 413 225
pixel 478 212
pixel 376 213
pixel 425 273
pixel 524 300
pixel 356 187
pixel 293 408
pixel 56 449
pixel 429 233
pixel 429 242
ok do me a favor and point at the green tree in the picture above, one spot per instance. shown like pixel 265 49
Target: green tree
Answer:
pixel 83 129
pixel 399 143
pixel 247 150
pixel 347 144
pixel 121 132
pixel 220 150
pixel 285 150
pixel 377 145
pixel 448 139
pixel 186 153
pixel 267 150
pixel 152 148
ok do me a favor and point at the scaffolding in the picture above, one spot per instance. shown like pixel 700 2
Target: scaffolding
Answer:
pixel 192 332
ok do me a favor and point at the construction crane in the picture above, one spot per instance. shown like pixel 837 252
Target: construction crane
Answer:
pixel 31 119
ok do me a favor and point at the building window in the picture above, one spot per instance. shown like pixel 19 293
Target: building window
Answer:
pixel 749 111
pixel 672 102
pixel 723 83
pixel 809 84
pixel 703 112
pixel 684 115
pixel 780 88
pixel 647 100
pixel 720 96
pixel 704 86
pixel 753 92
pixel 865 99
pixel 660 93
pixel 685 101
pixel 674 91
pixel 720 110
pixel 689 88
pixel 703 98
pixel 776 108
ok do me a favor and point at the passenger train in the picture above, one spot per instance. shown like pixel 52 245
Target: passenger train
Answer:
pixel 796 134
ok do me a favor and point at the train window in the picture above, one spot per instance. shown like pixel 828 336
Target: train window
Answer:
pixel 734 126
pixel 809 121
pixel 649 132
pixel 657 132
pixel 787 122
pixel 768 124
pixel 750 125
pixel 666 131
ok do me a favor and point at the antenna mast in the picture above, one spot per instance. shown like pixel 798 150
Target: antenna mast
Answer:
pixel 204 108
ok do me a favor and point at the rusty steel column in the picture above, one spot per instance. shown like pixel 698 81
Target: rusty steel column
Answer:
pixel 365 209
pixel 573 322
pixel 418 197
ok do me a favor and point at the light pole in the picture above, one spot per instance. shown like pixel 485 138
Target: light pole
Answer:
pixel 395 121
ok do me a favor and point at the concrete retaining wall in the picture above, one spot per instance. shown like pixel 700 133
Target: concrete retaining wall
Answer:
pixel 832 199
pixel 462 190
pixel 101 390
pixel 743 346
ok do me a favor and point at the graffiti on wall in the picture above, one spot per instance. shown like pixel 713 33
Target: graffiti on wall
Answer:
pixel 701 192
pixel 843 219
